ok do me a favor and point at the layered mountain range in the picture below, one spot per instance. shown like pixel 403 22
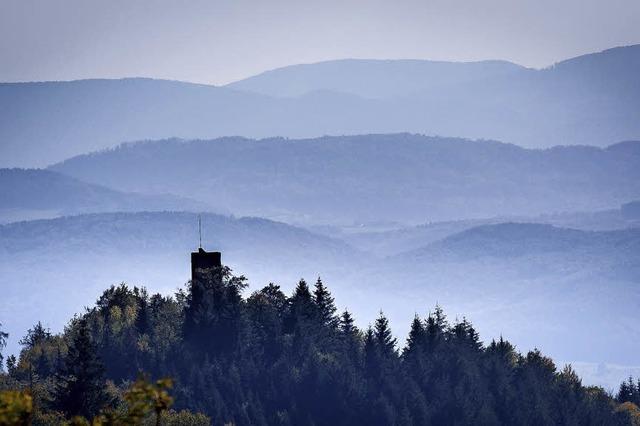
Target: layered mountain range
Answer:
pixel 353 179
pixel 524 217
pixel 592 99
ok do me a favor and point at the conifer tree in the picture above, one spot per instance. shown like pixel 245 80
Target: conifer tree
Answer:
pixel 81 386
pixel 302 308
pixel 371 353
pixel 384 338
pixel 436 328
pixel 142 314
pixel 416 339
pixel 214 309
pixel 629 391
pixel 347 324
pixel 325 306
pixel 3 344
pixel 350 336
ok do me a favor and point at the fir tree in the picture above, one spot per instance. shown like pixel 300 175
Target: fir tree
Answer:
pixel 302 309
pixel 325 306
pixel 351 337
pixel 629 391
pixel 213 314
pixel 417 338
pixel 81 385
pixel 371 353
pixel 385 341
pixel 436 328
pixel 3 344
pixel 347 324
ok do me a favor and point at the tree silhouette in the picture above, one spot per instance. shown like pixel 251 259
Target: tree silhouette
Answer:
pixel 81 386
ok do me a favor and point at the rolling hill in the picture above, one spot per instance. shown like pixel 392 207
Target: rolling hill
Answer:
pixel 50 269
pixel 372 79
pixel 551 287
pixel 405 178
pixel 568 292
pixel 37 194
pixel 592 99
pixel 405 239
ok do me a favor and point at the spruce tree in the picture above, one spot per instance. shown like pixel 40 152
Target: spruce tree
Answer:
pixel 629 391
pixel 385 341
pixel 213 314
pixel 347 324
pixel 302 308
pixel 325 306
pixel 416 339
pixel 436 328
pixel 350 336
pixel 371 353
pixel 80 389
pixel 3 343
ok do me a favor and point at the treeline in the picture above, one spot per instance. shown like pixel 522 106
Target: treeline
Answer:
pixel 273 359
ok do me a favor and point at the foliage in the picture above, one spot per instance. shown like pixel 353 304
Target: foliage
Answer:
pixel 80 388
pixel 3 343
pixel 270 359
pixel 15 408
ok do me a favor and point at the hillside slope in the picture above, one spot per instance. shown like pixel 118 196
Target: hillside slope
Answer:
pixel 404 239
pixel 593 99
pixel 355 179
pixel 563 286
pixel 544 286
pixel 33 194
pixel 55 267
pixel 374 79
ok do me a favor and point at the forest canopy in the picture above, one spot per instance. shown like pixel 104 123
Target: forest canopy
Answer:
pixel 208 355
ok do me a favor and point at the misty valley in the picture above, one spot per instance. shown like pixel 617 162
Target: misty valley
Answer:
pixel 463 249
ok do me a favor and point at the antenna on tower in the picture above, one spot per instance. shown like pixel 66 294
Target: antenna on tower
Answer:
pixel 200 230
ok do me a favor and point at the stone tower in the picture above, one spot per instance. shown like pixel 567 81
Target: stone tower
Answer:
pixel 202 261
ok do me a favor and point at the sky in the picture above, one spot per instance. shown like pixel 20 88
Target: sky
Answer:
pixel 219 41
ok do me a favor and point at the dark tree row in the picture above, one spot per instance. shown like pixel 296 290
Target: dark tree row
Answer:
pixel 270 359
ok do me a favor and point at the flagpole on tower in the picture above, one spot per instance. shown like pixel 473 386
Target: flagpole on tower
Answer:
pixel 200 230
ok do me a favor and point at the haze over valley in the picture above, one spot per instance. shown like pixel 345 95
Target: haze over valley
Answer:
pixel 506 194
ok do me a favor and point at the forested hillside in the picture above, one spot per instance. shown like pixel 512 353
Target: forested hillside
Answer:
pixel 79 255
pixel 36 194
pixel 371 178
pixel 273 359
pixel 511 278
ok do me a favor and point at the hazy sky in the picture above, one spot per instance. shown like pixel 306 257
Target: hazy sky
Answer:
pixel 218 41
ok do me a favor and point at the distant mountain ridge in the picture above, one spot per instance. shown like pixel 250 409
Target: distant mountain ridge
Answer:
pixel 551 283
pixel 593 99
pixel 398 240
pixel 405 178
pixel 31 194
pixel 371 78
pixel 509 240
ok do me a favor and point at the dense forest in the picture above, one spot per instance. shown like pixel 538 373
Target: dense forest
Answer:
pixel 208 355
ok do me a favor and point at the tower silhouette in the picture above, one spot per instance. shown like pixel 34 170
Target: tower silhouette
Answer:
pixel 201 260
